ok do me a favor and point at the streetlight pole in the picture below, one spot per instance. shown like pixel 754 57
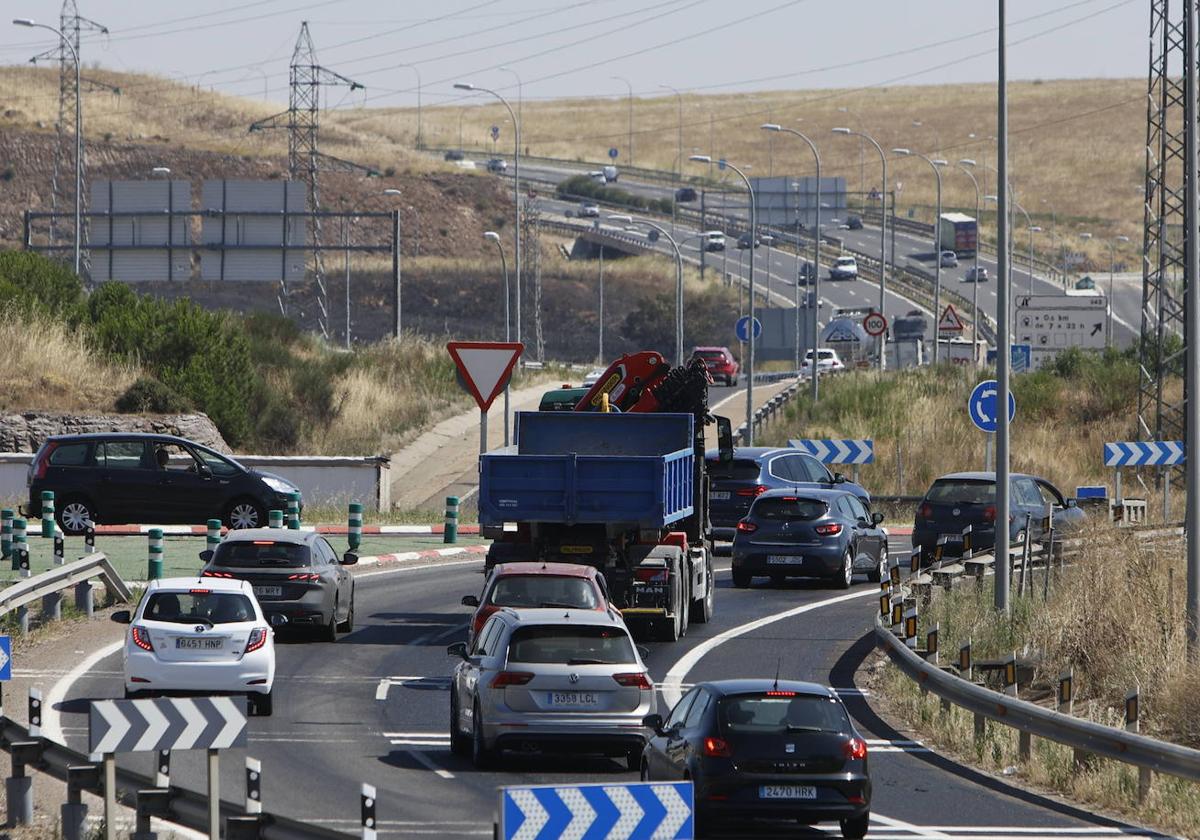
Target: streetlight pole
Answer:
pixel 417 70
pixel 816 275
pixel 862 135
pixel 963 165
pixel 1003 339
pixel 629 85
pixel 492 236
pixel 78 133
pixel 516 188
pixel 679 124
pixel 935 165
pixel 750 284
pixel 520 93
pixel 398 327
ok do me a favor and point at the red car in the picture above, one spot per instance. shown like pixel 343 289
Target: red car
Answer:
pixel 720 363
pixel 527 585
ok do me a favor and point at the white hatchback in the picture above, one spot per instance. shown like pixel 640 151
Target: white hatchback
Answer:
pixel 199 636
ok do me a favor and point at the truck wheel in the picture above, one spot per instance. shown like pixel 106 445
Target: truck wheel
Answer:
pixel 685 605
pixel 666 629
pixel 702 609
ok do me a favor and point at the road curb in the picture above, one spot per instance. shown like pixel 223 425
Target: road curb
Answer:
pixel 427 554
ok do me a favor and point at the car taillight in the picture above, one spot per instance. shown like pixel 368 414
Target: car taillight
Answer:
pixel 855 748
pixel 304 577
pixel 650 575
pixel 481 616
pixel 925 511
pixel 505 678
pixel 43 462
pixel 207 573
pixel 747 527
pixel 637 680
pixel 141 638
pixel 717 748
pixel 258 638
pixel 832 529
pixel 989 513
pixel 757 490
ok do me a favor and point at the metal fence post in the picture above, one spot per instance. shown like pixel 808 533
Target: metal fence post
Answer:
pixel 84 597
pixel 73 813
pixel 18 788
pixel 1133 724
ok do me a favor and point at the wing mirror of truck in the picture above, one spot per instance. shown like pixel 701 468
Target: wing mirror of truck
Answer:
pixel 724 440
pixel 470 600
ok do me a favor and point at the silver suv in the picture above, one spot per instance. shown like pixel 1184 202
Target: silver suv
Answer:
pixel 550 680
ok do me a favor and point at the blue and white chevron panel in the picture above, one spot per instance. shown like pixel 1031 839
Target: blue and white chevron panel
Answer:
pixel 1150 453
pixel 838 451
pixel 184 723
pixel 633 811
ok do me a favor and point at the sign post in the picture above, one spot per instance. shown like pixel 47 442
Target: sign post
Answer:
pixel 485 368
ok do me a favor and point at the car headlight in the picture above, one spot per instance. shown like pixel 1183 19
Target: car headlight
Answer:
pixel 279 485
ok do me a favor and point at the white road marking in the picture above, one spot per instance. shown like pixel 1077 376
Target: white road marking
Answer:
pixel 51 720
pixel 427 762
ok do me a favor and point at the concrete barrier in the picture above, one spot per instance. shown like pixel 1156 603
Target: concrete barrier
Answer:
pixel 323 480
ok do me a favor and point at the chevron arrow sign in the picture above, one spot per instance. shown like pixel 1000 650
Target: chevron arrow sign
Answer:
pixel 1151 453
pixel 838 451
pixel 184 723
pixel 634 811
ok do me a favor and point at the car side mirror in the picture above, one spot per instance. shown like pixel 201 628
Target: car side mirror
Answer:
pixel 349 558
pixel 204 471
pixel 458 649
pixel 207 555
pixel 876 518
pixel 654 722
pixel 1072 503
pixel 838 478
pixel 277 619
pixel 724 440
pixel 470 600
pixel 122 617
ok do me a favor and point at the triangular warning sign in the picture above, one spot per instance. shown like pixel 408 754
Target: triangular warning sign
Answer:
pixel 950 322
pixel 485 366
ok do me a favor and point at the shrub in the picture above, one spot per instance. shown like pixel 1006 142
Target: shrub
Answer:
pixel 33 282
pixel 149 395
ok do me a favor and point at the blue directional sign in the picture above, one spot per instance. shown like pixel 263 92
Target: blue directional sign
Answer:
pixel 1151 453
pixel 612 153
pixel 635 811
pixel 1021 358
pixel 5 658
pixel 742 328
pixel 837 451
pixel 982 406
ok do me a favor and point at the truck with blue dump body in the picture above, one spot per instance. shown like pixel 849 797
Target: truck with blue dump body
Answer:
pixel 624 492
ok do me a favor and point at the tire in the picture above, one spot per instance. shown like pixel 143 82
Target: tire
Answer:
pixel 263 703
pixel 685 606
pixel 347 626
pixel 73 514
pixel 460 745
pixel 133 695
pixel 244 512
pixel 875 575
pixel 633 760
pixel 702 610
pixel 328 632
pixel 845 575
pixel 741 578
pixel 644 773
pixel 481 756
pixel 855 828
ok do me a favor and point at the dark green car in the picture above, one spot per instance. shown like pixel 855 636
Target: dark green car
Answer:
pixel 562 399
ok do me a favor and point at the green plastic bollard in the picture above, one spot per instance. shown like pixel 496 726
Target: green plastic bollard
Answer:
pixel 19 543
pixel 48 514
pixel 212 538
pixel 293 511
pixel 154 565
pixel 6 521
pixel 275 518
pixel 450 535
pixel 355 523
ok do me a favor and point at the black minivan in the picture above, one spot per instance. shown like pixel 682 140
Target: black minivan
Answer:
pixel 115 478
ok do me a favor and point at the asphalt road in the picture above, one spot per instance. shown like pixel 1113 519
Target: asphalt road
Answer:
pixel 373 707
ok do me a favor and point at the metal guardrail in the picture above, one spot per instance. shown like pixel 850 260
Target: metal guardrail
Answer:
pixel 63 577
pixel 767 411
pixel 187 808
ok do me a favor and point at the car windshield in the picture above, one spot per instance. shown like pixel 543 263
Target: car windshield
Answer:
pixel 845 261
pixel 788 508
pixel 776 711
pixel 259 553
pixel 198 605
pixel 962 492
pixel 739 469
pixel 543 591
pixel 564 644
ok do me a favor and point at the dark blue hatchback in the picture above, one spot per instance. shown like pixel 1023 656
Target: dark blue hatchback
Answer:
pixel 754 470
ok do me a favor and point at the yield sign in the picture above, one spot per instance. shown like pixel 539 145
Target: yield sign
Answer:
pixel 485 366
pixel 950 322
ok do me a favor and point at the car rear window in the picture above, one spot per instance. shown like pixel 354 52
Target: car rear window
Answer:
pixel 739 469
pixel 543 591
pixel 788 508
pixel 963 492
pixel 782 711
pixel 260 553
pixel 71 455
pixel 564 644
pixel 189 606
pixel 710 354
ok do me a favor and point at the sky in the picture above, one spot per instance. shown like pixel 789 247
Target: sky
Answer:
pixel 567 48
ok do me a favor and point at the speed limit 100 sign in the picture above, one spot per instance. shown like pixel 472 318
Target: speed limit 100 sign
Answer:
pixel 875 324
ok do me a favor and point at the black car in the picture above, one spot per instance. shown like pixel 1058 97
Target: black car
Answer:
pixel 807 273
pixel 735 484
pixel 685 194
pixel 124 477
pixel 963 499
pixel 453 154
pixel 828 534
pixel 296 574
pixel 854 222
pixel 744 241
pixel 764 749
